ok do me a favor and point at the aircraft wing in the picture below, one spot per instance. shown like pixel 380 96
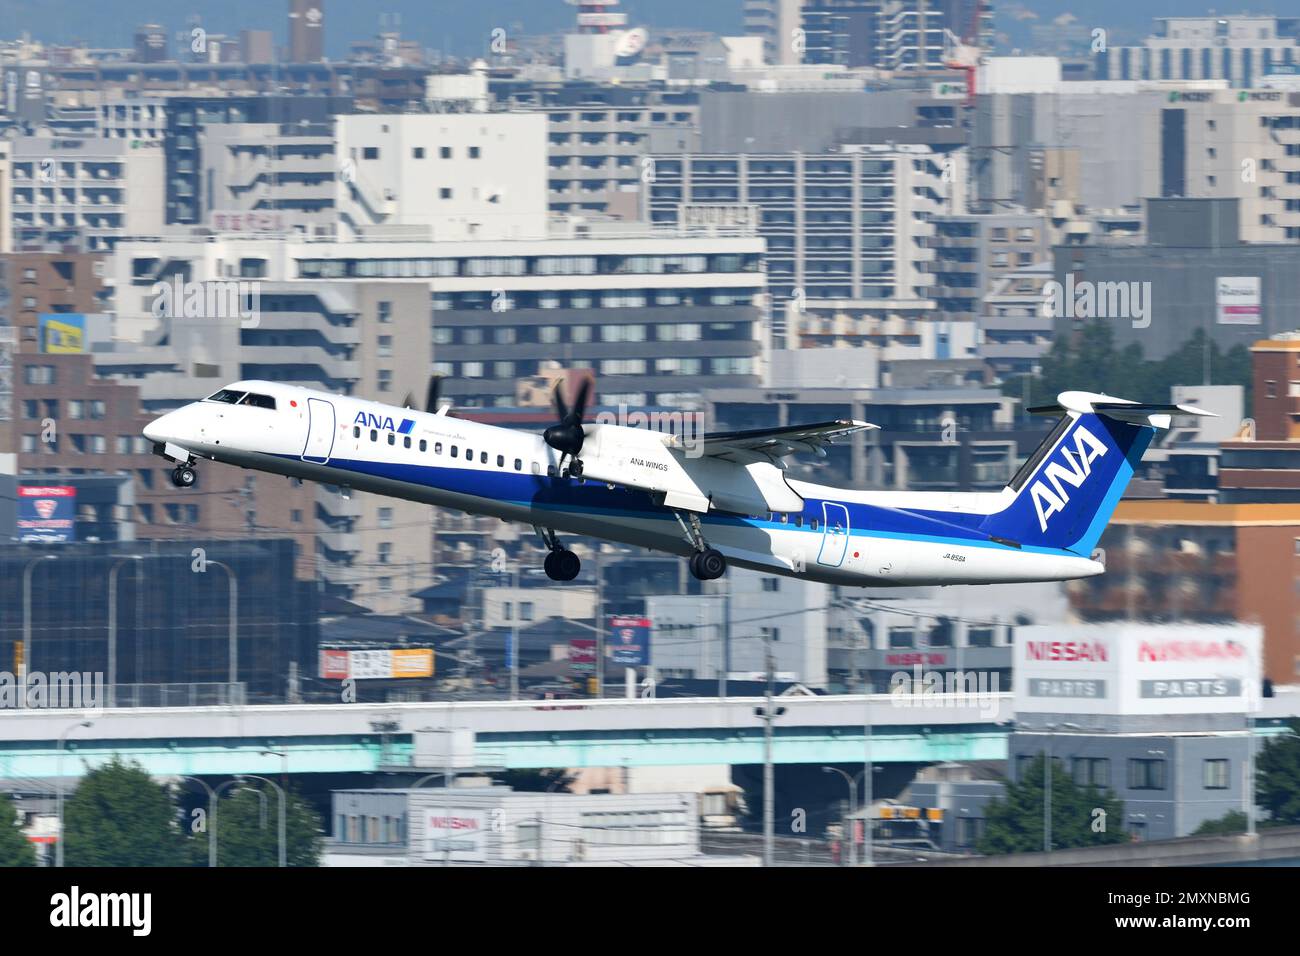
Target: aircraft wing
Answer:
pixel 778 442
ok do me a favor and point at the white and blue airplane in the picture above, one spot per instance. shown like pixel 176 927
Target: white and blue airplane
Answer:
pixel 724 500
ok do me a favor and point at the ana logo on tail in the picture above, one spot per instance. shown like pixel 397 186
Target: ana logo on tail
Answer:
pixel 1048 501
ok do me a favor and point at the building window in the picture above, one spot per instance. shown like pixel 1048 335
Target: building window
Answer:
pixel 1146 773
pixel 1216 775
pixel 1091 771
pixel 771 584
pixel 444 152
pixel 418 152
pixel 385 517
pixel 444 192
pixel 370 152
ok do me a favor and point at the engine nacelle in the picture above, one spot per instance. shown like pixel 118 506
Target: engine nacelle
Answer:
pixel 640 458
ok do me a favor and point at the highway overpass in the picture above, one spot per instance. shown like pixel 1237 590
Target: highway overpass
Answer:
pixel 338 738
pixel 351 738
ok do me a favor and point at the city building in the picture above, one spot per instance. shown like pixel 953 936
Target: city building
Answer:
pixel 1239 48
pixel 597 134
pixel 1242 144
pixel 838 226
pixel 145 657
pixel 776 23
pixel 88 192
pixel 731 628
pixel 455 176
pixel 1192 272
pixel 476 823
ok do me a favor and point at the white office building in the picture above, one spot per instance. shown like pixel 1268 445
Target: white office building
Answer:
pixel 450 176
pixel 91 191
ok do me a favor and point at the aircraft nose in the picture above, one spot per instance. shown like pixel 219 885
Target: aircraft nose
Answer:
pixel 157 431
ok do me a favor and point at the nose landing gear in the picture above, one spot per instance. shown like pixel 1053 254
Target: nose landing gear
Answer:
pixel 561 564
pixel 183 476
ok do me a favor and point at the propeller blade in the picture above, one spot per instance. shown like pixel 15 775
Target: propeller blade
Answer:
pixel 557 399
pixel 580 403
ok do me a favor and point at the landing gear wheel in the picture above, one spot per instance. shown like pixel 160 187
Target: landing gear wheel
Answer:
pixel 708 565
pixel 183 476
pixel 575 468
pixel 562 565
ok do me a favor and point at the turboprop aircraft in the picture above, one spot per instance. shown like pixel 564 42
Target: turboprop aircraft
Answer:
pixel 726 499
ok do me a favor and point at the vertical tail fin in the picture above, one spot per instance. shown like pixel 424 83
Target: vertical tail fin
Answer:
pixel 1068 489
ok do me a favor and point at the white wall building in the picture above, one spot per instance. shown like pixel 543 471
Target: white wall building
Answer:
pixel 453 176
pixel 94 190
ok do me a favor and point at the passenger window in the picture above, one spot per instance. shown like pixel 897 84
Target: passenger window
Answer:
pixel 374 435
pixel 501 461
pixel 469 455
pixel 423 444
pixel 798 521
pixel 437 448
pixel 785 518
pixel 356 431
pixel 455 452
pixel 392 439
pixel 482 457
pixel 519 464
pixel 406 442
pixel 550 471
pixel 815 522
pixel 537 469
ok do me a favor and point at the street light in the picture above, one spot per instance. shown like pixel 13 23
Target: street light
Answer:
pixel 284 782
pixel 853 811
pixel 112 625
pixel 212 817
pixel 63 737
pixel 233 616
pixel 280 791
pixel 1047 782
pixel 27 611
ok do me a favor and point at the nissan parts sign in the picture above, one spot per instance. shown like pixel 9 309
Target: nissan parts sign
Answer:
pixel 1147 669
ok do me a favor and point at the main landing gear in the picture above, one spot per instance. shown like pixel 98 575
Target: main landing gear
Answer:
pixel 561 564
pixel 706 563
pixel 184 476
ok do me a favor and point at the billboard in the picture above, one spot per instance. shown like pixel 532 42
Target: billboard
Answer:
pixel 582 654
pixel 629 641
pixel 376 663
pixel 1137 669
pixel 47 513
pixel 455 834
pixel 1237 300
pixel 61 333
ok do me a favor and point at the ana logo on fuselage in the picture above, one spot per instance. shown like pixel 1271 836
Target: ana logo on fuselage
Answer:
pixel 383 421
pixel 1049 500
pixel 374 421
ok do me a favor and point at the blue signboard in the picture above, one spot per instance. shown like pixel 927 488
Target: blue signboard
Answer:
pixel 629 641
pixel 47 513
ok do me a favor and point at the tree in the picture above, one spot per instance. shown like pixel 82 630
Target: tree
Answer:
pixel 1015 821
pixel 1234 821
pixel 15 848
pixel 120 817
pixel 248 830
pixel 1278 778
pixel 1089 360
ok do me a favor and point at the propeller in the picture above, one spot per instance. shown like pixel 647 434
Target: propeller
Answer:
pixel 430 397
pixel 567 436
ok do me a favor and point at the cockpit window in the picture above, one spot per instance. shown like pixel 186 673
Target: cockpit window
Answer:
pixel 226 396
pixel 259 401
